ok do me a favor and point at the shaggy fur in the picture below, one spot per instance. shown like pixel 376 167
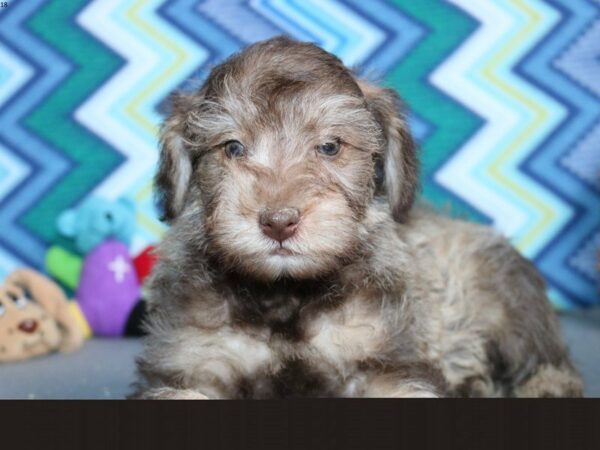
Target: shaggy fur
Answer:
pixel 370 296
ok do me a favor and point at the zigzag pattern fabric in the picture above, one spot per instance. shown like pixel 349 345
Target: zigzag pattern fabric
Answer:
pixel 504 98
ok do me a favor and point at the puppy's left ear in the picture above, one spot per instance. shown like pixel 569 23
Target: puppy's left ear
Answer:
pixel 400 162
pixel 175 165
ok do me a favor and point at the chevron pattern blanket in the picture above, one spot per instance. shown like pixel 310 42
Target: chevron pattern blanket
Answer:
pixel 504 98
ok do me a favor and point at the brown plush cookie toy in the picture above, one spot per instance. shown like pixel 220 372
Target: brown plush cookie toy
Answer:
pixel 35 317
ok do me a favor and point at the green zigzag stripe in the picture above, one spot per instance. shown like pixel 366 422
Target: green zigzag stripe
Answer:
pixel 453 124
pixel 92 158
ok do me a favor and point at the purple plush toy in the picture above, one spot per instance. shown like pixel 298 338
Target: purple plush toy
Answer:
pixel 108 288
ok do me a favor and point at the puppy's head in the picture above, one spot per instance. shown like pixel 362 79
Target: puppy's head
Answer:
pixel 283 150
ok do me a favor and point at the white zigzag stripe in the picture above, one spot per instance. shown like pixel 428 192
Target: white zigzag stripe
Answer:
pixel 18 71
pixel 95 112
pixel 140 149
pixel 500 119
pixel 366 37
pixel 541 110
pixel 12 169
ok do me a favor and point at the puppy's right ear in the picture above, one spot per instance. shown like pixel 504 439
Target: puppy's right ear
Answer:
pixel 175 164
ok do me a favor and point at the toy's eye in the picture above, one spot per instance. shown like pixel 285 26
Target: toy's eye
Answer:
pixel 108 216
pixel 27 294
pixel 329 148
pixel 2 309
pixel 21 302
pixel 234 149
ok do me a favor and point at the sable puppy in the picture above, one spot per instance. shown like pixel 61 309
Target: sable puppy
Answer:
pixel 296 265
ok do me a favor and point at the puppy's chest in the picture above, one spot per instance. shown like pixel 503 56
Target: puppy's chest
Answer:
pixel 334 333
pixel 355 332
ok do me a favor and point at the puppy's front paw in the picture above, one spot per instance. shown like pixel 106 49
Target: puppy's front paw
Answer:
pixel 166 393
pixel 404 389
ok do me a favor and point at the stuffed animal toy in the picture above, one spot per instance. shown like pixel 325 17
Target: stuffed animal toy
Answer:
pixel 104 277
pixel 106 287
pixel 36 318
pixel 96 220
pixel 144 262
pixel 66 266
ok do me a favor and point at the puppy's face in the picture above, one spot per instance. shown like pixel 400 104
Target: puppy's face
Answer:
pixel 280 150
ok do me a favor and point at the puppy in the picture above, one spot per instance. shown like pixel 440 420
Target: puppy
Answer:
pixel 296 264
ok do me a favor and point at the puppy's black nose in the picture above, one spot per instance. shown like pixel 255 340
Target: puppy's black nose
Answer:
pixel 28 325
pixel 279 224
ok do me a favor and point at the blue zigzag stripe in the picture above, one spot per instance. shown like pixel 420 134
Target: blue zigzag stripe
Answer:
pixel 532 65
pixel 240 20
pixel 47 164
pixel 184 15
pixel 397 44
pixel 583 112
pixel 268 22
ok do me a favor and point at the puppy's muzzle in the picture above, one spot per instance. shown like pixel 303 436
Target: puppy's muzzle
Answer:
pixel 279 224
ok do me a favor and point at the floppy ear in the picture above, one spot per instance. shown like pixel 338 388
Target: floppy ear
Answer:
pixel 175 164
pixel 400 163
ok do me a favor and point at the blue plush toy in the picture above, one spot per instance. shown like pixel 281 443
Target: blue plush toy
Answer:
pixel 97 220
pixel 103 274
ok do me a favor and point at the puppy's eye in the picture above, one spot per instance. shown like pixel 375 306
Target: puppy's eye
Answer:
pixel 2 309
pixel 329 148
pixel 234 149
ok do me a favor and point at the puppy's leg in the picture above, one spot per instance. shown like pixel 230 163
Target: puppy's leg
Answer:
pixel 411 380
pixel 526 356
pixel 193 361
pixel 167 393
pixel 387 387
pixel 496 333
pixel 551 381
